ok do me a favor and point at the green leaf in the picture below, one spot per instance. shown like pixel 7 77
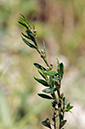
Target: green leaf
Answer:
pixel 22 16
pixel 56 79
pixel 61 117
pixel 29 33
pixel 22 24
pixel 44 47
pixel 33 27
pixel 24 21
pixel 26 36
pixel 39 66
pixel 63 102
pixel 46 123
pixel 29 44
pixel 50 73
pixel 62 123
pixel 58 63
pixel 51 82
pixel 44 76
pixel 61 70
pixel 68 107
pixel 32 37
pixel 43 82
pixel 49 90
pixel 45 96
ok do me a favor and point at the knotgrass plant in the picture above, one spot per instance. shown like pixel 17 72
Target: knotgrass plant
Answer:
pixel 51 79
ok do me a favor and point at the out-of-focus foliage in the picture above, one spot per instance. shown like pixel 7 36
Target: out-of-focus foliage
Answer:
pixel 61 23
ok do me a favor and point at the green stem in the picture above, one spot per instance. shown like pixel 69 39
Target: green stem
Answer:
pixel 43 58
pixel 38 50
pixel 46 61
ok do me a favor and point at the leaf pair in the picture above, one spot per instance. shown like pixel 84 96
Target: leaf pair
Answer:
pixel 68 107
pixel 41 69
pixel 47 123
pixel 43 82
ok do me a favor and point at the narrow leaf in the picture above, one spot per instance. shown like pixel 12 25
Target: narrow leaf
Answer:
pixel 39 66
pixel 46 123
pixel 22 24
pixel 62 123
pixel 58 63
pixel 61 117
pixel 50 73
pixel 51 82
pixel 61 70
pixel 26 36
pixel 56 79
pixel 69 109
pixel 63 102
pixel 22 16
pixel 29 33
pixel 29 44
pixel 33 27
pixel 24 21
pixel 45 96
pixel 43 82
pixel 68 105
pixel 32 37
pixel 49 90
pixel 44 76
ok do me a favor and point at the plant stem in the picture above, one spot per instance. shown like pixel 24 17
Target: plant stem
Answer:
pixel 43 58
pixel 46 61
pixel 38 50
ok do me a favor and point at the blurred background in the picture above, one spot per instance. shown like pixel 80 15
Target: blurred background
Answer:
pixel 61 24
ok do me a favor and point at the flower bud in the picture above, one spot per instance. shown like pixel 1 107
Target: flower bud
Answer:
pixel 34 31
pixel 51 64
pixel 41 55
pixel 57 83
pixel 62 94
pixel 52 93
pixel 42 51
pixel 29 29
pixel 47 68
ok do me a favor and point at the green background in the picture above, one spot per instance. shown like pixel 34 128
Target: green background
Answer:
pixel 61 24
